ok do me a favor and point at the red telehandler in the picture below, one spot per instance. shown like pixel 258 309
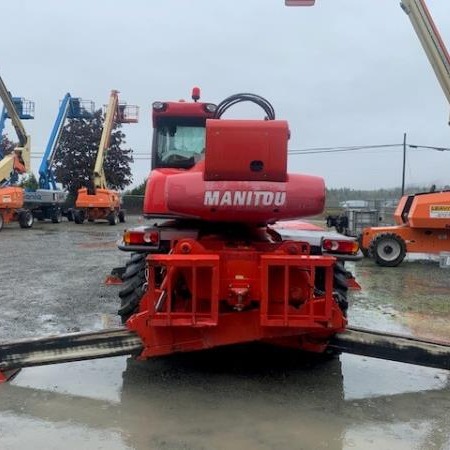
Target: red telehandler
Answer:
pixel 181 143
pixel 212 269
pixel 215 271
pixel 217 274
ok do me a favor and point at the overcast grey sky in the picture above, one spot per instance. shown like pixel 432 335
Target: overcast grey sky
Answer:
pixel 345 72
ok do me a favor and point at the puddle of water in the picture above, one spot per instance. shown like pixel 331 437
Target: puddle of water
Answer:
pixel 413 298
pixel 97 379
pixel 399 436
pixel 246 397
pixel 370 377
pixel 21 432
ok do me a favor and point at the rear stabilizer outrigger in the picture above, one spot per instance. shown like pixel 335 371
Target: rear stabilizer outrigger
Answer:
pixel 121 342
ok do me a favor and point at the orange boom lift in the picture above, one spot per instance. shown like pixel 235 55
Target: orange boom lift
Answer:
pixel 422 220
pixel 97 202
pixel 18 162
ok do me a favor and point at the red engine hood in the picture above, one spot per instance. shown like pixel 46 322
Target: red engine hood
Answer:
pixel 188 194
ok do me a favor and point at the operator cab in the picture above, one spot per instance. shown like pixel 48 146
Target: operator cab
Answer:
pixel 179 132
pixel 179 142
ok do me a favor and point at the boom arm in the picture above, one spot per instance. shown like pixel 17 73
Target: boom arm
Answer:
pixel 2 127
pixel 71 108
pixel 19 160
pixel 427 33
pixel 111 111
pixel 115 113
pixel 431 41
pixel 46 178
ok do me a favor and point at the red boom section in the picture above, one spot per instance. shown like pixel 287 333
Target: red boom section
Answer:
pixel 243 178
pixel 207 293
pixel 244 201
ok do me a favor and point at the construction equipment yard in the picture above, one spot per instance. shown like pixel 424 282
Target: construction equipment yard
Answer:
pixel 252 396
pixel 203 293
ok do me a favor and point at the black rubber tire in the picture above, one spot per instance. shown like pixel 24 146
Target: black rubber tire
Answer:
pixel 387 249
pixel 130 304
pixel 122 216
pixel 57 216
pixel 129 286
pixel 26 219
pixel 132 290
pixel 2 221
pixel 133 269
pixel 340 285
pixel 113 219
pixel 135 257
pixel 78 216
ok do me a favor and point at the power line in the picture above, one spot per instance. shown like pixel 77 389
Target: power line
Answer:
pixel 308 151
pixel 429 147
pixel 144 156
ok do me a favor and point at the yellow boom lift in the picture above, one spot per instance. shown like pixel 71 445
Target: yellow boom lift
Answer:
pixel 97 202
pixel 15 163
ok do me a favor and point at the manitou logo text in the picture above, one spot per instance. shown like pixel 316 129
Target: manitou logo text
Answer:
pixel 244 198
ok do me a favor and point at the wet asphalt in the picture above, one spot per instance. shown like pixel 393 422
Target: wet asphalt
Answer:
pixel 245 397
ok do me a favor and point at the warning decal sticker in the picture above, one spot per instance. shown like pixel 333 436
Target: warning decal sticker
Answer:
pixel 440 211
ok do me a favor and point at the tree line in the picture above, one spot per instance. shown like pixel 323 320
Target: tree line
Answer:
pixel 334 196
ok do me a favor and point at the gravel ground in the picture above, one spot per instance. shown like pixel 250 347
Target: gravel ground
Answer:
pixel 249 397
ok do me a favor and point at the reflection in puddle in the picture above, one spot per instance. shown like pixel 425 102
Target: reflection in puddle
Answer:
pixel 412 298
pixel 97 379
pixel 370 377
pixel 21 432
pixel 397 436
pixel 243 397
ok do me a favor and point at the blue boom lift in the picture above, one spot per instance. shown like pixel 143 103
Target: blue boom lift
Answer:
pixel 47 201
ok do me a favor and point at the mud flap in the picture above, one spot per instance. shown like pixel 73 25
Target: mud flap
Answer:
pixel 8 375
pixel 116 276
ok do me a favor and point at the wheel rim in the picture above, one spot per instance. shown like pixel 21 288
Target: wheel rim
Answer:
pixel 29 220
pixel 389 249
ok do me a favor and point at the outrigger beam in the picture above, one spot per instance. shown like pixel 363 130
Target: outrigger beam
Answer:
pixel 121 341
pixel 393 347
pixel 68 348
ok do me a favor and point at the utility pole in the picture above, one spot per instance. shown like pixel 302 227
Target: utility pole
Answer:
pixel 404 164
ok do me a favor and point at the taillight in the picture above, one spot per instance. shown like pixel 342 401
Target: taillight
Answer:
pixel 338 246
pixel 140 237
